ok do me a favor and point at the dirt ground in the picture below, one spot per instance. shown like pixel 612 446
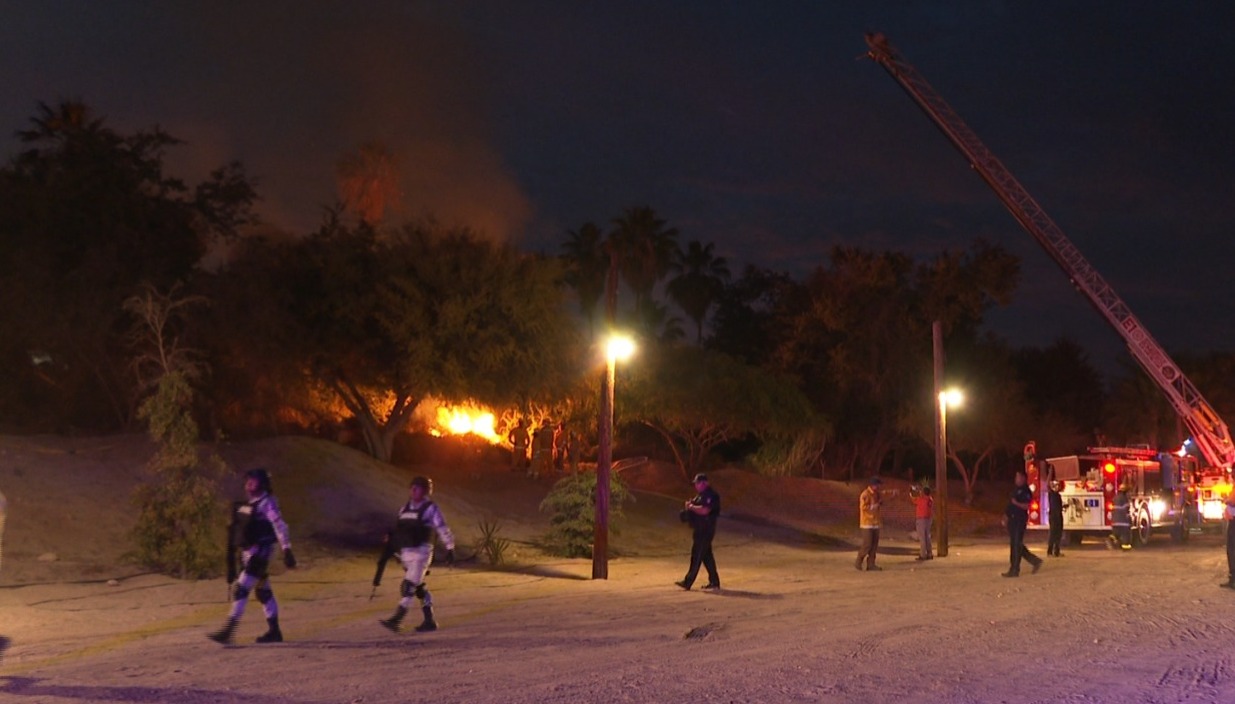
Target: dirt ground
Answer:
pixel 795 621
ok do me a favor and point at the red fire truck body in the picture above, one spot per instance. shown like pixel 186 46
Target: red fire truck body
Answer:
pixel 1162 498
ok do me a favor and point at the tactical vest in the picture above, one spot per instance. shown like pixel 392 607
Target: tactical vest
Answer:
pixel 412 530
pixel 250 527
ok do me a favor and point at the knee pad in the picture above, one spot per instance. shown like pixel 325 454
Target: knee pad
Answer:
pixel 421 591
pixel 264 595
pixel 241 592
pixel 405 590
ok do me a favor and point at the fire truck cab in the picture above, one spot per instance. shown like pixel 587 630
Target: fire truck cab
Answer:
pixel 1159 489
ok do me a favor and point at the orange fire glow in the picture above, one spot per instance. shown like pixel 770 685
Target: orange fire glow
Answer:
pixel 464 420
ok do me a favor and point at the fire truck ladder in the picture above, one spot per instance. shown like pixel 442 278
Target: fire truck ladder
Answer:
pixel 1209 432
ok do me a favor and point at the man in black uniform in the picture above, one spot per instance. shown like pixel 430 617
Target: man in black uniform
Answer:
pixel 257 526
pixel 1017 517
pixel 703 510
pixel 1054 502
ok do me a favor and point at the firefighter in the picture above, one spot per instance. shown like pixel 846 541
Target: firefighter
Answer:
pixel 1121 520
pixel 559 447
pixel 869 523
pixel 1016 517
pixel 256 526
pixel 411 541
pixel 518 438
pixel 1054 501
pixel 542 450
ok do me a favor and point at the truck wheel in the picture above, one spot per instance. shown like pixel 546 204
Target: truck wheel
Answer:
pixel 1141 530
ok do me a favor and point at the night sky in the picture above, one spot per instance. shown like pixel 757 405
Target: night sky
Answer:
pixel 752 125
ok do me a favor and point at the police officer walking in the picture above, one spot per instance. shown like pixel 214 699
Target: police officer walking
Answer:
pixel 256 526
pixel 412 541
pixel 702 511
pixel 1017 518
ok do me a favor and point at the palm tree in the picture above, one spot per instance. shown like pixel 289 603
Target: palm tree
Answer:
pixel 700 280
pixel 587 262
pixel 643 247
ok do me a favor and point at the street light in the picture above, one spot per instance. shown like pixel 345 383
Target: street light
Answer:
pixel 954 398
pixel 617 348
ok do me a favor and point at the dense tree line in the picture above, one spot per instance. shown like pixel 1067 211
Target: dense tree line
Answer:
pixel 359 321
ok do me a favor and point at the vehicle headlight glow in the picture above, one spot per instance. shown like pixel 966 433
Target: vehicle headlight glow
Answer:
pixel 1157 507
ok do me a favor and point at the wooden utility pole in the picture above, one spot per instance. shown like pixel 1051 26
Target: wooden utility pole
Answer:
pixel 941 444
pixel 604 433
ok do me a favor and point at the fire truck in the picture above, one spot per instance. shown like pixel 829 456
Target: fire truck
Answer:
pixel 1161 491
pixel 1205 488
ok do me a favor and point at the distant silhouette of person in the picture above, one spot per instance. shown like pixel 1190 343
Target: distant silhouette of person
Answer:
pixel 518 438
pixel 542 450
pixel 924 513
pixel 1054 504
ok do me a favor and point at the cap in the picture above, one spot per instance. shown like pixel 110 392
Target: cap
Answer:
pixel 700 477
pixel 876 480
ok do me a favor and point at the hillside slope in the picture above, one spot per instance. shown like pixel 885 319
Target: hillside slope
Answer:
pixel 70 508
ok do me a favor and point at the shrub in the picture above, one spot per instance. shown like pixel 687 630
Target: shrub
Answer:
pixel 490 544
pixel 178 510
pixel 571 504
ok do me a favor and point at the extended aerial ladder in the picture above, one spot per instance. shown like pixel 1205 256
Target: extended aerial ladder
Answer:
pixel 1209 432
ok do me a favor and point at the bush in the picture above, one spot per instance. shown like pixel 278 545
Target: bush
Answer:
pixel 571 504
pixel 178 510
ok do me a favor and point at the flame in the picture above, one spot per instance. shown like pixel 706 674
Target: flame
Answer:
pixel 464 420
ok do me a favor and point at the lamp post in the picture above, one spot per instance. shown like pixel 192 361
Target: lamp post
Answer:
pixel 949 397
pixel 617 347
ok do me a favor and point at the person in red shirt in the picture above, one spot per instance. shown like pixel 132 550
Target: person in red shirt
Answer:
pixel 924 504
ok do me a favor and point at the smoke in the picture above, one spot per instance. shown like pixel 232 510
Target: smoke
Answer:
pixel 290 92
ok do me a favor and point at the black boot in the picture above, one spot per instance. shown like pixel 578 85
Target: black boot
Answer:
pixel 429 624
pixel 273 634
pixel 392 623
pixel 224 634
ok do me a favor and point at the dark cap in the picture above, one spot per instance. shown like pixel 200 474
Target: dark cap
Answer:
pixel 700 477
pixel 876 480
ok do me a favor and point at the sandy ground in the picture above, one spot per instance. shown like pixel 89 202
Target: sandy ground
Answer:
pixel 794 623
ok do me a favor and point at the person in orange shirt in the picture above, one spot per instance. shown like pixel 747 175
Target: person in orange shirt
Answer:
pixel 924 505
pixel 869 523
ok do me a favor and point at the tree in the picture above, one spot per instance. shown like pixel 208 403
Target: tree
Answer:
pixel 700 280
pixel 643 246
pixel 1060 381
pixel 994 420
pixel 751 312
pixel 384 321
pixel 177 510
pixel 587 263
pixel 87 215
pixel 858 335
pixel 696 400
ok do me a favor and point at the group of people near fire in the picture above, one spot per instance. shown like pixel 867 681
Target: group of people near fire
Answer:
pixel 555 448
pixel 257 527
